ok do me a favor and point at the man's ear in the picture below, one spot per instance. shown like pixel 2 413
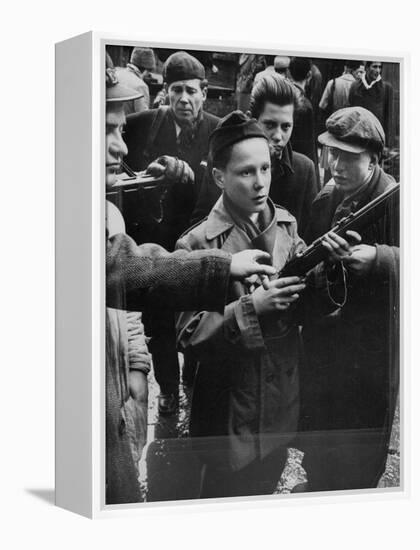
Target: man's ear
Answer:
pixel 374 159
pixel 204 92
pixel 218 178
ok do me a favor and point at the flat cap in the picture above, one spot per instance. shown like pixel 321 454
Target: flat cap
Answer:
pixel 116 92
pixel 354 129
pixel 182 66
pixel 234 127
pixel 143 58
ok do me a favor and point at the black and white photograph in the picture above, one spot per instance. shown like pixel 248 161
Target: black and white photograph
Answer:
pixel 252 323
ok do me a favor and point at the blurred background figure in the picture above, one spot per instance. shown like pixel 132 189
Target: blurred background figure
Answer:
pixel 249 66
pixel 313 90
pixel 360 71
pixel 275 64
pixel 142 63
pixel 303 139
pixel 376 95
pixel 281 65
pixel 337 90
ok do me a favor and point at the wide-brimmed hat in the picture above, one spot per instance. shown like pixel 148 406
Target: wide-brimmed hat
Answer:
pixel 354 129
pixel 116 92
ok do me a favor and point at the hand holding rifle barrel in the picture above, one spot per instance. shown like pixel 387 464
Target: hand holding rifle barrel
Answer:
pixel 357 257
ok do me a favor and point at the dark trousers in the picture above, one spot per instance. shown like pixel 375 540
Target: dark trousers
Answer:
pixel 258 478
pixel 344 459
pixel 160 325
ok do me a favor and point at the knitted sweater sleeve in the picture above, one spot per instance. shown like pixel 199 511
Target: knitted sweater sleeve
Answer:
pixel 147 276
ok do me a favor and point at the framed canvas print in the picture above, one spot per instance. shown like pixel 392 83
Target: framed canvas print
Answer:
pixel 228 280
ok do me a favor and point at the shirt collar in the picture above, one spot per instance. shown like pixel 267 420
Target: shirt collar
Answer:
pixel 368 86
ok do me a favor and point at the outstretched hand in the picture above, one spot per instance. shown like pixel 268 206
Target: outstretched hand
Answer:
pixel 246 263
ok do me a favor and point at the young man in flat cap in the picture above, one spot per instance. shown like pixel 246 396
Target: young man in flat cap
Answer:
pixel 181 130
pixel 293 179
pixel 350 380
pixel 138 277
pixel 245 399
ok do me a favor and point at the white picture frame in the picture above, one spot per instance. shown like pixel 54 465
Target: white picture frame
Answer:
pixel 80 276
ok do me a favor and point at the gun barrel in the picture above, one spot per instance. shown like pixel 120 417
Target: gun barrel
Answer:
pixel 356 221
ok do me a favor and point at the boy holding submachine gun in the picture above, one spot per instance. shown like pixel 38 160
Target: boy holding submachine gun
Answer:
pixel 349 379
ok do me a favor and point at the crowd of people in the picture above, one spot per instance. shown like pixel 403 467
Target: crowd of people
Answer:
pixel 194 267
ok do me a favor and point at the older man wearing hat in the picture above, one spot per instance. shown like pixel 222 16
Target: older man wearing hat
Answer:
pixel 179 130
pixel 277 64
pixel 142 63
pixel 349 382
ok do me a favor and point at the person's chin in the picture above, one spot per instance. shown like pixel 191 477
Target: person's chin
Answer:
pixel 276 153
pixel 258 206
pixel 184 117
pixel 340 182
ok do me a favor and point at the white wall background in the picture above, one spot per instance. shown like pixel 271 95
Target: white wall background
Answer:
pixel 28 33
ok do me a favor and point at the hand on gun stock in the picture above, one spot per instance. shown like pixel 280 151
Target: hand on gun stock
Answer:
pixel 358 258
pixel 278 295
pixel 174 169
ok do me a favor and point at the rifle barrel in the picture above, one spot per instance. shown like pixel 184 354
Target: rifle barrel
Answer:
pixel 316 252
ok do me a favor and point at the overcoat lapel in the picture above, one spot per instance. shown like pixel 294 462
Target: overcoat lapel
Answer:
pixel 232 239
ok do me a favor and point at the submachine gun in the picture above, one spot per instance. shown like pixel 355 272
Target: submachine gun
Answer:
pixel 356 221
pixel 140 194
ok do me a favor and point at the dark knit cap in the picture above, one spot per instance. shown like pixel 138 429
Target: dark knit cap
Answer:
pixel 234 127
pixel 354 129
pixel 115 92
pixel 143 58
pixel 182 66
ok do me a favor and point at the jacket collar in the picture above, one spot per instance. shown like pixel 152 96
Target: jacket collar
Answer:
pixel 219 220
pixel 285 164
pixel 134 69
pixel 368 86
